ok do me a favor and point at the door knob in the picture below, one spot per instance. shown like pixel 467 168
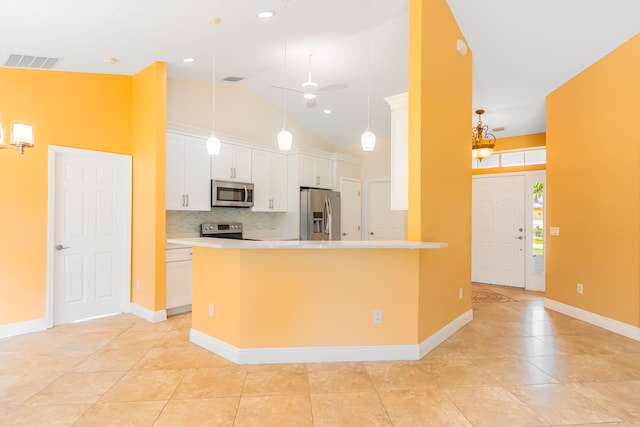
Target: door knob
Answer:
pixel 521 229
pixel 371 233
pixel 344 234
pixel 59 247
pixel 519 237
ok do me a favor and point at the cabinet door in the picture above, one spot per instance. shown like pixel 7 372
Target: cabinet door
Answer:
pixel 278 182
pixel 324 172
pixel 197 181
pixel 175 195
pixel 261 182
pixel 178 284
pixel 222 164
pixel 241 164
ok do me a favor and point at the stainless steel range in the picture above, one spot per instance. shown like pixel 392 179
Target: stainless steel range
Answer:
pixel 221 230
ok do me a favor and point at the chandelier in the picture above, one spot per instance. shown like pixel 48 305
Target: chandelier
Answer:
pixel 482 142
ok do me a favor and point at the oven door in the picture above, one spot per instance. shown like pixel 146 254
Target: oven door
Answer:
pixel 233 194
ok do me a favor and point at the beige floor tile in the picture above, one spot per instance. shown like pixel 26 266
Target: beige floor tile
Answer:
pixel 111 360
pixel 267 411
pixel 167 358
pixel 574 368
pixel 206 359
pixel 270 380
pixel 399 376
pixel 137 338
pixel 457 373
pixel 138 386
pixel 515 371
pixel 493 406
pixel 524 346
pixel 211 382
pixel 16 389
pixel 621 398
pixel 175 338
pixel 422 408
pixel 118 414
pixel 560 404
pixel 219 412
pixel 45 415
pixel 338 377
pixel 76 387
pixel 348 409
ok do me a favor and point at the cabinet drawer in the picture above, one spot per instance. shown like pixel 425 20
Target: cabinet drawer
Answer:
pixel 180 254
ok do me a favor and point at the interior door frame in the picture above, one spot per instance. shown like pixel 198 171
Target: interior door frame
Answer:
pixel 529 177
pixel 126 190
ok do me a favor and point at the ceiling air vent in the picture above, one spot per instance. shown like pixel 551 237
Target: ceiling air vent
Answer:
pixel 500 129
pixel 30 61
pixel 232 79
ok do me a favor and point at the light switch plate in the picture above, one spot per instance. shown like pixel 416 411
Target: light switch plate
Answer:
pixel 554 231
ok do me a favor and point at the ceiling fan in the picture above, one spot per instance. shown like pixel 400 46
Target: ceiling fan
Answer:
pixel 310 88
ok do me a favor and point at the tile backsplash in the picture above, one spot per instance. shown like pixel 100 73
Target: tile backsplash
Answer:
pixel 181 222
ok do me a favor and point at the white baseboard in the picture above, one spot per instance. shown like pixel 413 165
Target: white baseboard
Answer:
pixel 146 314
pixel 328 354
pixel 612 325
pixel 440 336
pixel 26 327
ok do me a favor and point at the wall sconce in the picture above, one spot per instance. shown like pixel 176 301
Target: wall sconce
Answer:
pixel 20 137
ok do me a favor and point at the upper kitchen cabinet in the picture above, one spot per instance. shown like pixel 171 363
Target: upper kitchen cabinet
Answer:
pixel 232 164
pixel 270 181
pixel 187 174
pixel 399 105
pixel 315 172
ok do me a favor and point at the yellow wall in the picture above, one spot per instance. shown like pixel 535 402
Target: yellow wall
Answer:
pixel 89 111
pixel 149 151
pixel 593 176
pixel 440 155
pixel 325 297
pixel 522 141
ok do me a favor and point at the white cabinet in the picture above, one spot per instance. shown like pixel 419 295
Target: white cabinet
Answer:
pixel 399 151
pixel 178 280
pixel 315 171
pixel 269 171
pixel 232 164
pixel 187 174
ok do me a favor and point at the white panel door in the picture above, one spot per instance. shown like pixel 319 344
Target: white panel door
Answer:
pixel 382 222
pixel 351 209
pixel 91 261
pixel 498 233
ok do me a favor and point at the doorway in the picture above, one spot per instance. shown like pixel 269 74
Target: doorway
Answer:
pixel 382 222
pixel 351 209
pixel 508 226
pixel 89 253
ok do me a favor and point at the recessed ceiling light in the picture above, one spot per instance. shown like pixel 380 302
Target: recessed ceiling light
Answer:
pixel 266 14
pixel 327 111
pixel 188 60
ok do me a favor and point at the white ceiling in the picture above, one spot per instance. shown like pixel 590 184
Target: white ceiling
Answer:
pixel 522 50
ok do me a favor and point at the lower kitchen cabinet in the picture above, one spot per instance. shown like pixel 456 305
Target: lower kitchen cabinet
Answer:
pixel 178 280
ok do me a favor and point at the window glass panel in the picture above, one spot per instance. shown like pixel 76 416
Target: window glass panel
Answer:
pixel 538 227
pixel 490 162
pixel 474 163
pixel 513 159
pixel 535 157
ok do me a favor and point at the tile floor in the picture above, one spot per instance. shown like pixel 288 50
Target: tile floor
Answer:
pixel 516 364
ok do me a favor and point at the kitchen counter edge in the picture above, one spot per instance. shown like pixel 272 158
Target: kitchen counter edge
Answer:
pixel 215 243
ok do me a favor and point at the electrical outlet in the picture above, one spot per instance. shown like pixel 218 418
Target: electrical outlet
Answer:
pixel 460 293
pixel 210 309
pixel 580 288
pixel 137 285
pixel 377 316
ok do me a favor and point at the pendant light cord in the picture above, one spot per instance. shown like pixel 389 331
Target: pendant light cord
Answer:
pixel 369 67
pixel 284 83
pixel 215 22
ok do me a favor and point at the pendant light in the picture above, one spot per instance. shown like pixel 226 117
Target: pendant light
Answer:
pixel 285 139
pixel 213 143
pixel 368 138
pixel 482 142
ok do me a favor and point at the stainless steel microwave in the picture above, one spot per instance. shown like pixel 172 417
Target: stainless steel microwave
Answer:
pixel 231 194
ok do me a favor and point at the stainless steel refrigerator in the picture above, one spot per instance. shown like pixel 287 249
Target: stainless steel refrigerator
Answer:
pixel 319 214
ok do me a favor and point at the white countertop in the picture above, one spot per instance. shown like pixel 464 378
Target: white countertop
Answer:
pixel 210 242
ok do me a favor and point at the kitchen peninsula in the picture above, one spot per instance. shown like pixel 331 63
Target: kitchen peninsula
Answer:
pixel 307 301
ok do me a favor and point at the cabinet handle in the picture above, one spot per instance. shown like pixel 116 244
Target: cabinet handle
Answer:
pixel 183 201
pixel 317 180
pixel 187 200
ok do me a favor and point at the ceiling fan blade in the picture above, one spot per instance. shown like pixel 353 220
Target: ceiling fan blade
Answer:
pixel 337 86
pixel 286 88
pixel 311 102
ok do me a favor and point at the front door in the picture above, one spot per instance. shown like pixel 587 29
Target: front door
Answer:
pixel 498 230
pixel 91 233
